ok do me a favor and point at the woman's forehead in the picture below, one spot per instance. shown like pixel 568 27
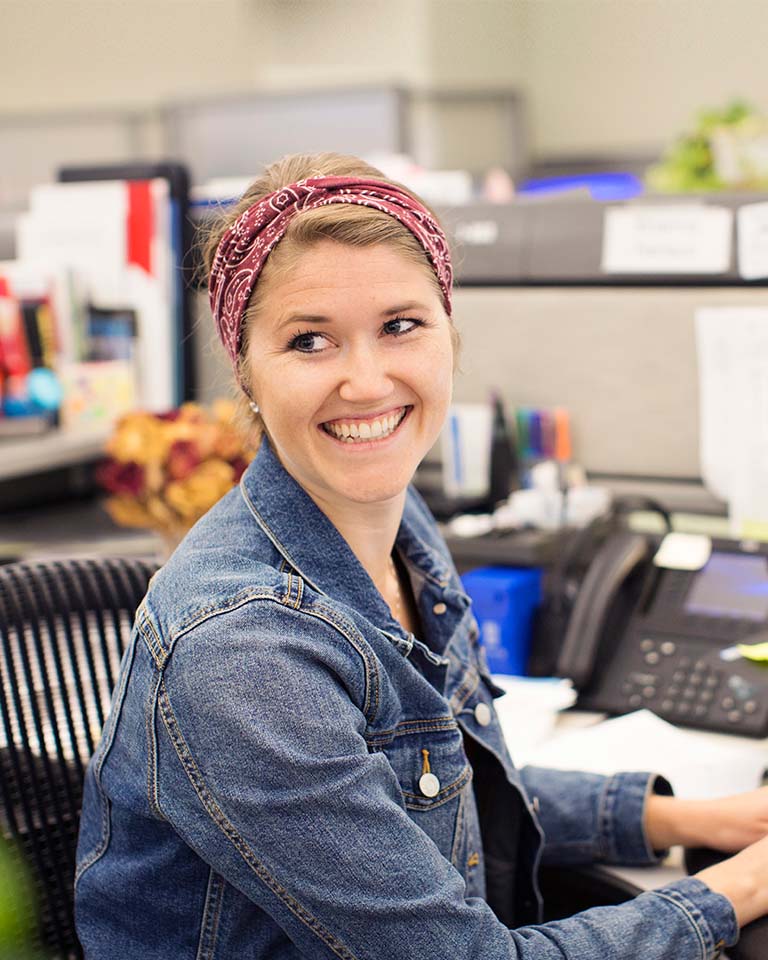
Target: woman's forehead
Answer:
pixel 328 271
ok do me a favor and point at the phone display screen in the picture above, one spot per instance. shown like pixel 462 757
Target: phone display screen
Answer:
pixel 731 585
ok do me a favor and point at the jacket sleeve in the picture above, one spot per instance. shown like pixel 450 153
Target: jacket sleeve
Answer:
pixel 589 818
pixel 263 768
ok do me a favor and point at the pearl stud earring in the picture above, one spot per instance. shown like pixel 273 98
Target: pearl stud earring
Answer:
pixel 254 406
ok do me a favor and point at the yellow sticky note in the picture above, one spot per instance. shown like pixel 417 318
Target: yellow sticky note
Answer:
pixel 754 651
pixel 754 529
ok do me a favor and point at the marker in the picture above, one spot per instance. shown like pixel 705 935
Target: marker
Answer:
pixel 534 434
pixel 523 446
pixel 563 449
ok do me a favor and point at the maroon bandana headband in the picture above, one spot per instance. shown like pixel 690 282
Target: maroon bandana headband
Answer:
pixel 245 246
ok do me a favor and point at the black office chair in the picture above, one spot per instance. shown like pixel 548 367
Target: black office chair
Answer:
pixel 63 627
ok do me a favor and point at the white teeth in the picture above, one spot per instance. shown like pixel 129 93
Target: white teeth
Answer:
pixel 365 430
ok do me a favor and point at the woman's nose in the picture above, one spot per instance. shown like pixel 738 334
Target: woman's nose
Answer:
pixel 365 377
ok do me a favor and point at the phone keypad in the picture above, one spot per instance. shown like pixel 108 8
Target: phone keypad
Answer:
pixel 672 680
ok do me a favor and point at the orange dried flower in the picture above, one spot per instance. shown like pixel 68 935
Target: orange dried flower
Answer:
pixel 196 494
pixel 165 470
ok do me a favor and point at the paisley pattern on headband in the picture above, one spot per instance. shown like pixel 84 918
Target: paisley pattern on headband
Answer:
pixel 245 246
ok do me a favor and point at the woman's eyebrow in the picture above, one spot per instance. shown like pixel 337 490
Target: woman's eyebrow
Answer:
pixel 305 318
pixel 314 318
pixel 403 308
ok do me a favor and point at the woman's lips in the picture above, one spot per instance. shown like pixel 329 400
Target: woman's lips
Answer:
pixel 364 430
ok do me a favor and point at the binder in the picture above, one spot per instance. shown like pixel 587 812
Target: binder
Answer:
pixel 179 234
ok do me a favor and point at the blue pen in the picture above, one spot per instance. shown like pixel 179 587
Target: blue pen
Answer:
pixel 535 434
pixel 458 469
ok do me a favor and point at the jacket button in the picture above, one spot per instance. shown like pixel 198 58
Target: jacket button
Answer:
pixel 483 714
pixel 439 608
pixel 429 785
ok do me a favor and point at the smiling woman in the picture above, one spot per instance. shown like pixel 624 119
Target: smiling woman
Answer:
pixel 355 397
pixel 302 758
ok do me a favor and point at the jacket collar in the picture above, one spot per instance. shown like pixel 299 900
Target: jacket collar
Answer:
pixel 315 549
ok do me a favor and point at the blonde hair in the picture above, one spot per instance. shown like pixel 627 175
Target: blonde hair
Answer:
pixel 347 224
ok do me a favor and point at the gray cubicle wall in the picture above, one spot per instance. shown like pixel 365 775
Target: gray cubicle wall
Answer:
pixel 621 359
pixel 234 136
pixel 35 147
pixel 238 136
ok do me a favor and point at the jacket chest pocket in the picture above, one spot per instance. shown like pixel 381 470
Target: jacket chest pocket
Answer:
pixel 435 780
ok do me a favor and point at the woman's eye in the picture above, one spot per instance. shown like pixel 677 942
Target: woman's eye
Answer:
pixel 308 342
pixel 401 325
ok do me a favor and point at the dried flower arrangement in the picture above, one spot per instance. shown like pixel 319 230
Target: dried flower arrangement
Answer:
pixel 165 470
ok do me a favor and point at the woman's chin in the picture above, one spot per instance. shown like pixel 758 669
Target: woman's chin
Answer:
pixel 374 490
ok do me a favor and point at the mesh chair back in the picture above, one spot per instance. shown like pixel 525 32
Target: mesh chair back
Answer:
pixel 63 628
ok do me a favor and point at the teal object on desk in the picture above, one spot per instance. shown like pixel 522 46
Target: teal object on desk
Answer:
pixel 504 601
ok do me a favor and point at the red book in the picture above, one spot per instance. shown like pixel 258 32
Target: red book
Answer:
pixel 14 350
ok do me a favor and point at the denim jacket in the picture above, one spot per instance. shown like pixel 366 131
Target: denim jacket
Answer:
pixel 284 772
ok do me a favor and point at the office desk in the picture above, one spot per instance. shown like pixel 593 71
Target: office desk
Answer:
pixel 75 528
pixel 647 878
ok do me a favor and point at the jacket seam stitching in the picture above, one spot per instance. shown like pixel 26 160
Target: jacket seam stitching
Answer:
pixel 319 611
pixel 215 610
pixel 105 803
pixel 603 844
pixel 460 827
pixel 466 688
pixel 209 928
pixel 371 702
pixel 299 593
pixel 432 553
pixel 153 797
pixel 218 817
pixel 692 920
pixel 270 534
pixel 151 638
pixel 426 726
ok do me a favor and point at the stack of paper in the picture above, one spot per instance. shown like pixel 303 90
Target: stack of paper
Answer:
pixel 697 765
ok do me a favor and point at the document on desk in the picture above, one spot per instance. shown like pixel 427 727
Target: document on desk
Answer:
pixel 732 347
pixel 697 765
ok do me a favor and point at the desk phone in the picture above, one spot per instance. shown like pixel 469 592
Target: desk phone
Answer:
pixel 664 639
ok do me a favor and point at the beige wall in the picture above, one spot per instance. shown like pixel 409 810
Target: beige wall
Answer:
pixel 121 53
pixel 600 75
pixel 618 75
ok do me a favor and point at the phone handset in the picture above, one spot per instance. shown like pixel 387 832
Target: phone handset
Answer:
pixel 621 555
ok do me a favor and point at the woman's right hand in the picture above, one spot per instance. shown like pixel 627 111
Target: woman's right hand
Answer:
pixel 743 879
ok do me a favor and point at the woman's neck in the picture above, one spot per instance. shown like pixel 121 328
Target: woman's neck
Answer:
pixel 370 529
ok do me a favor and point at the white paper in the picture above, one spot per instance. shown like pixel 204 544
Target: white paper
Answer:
pixel 752 241
pixel 83 226
pixel 683 551
pixel 466 449
pixel 669 238
pixel 530 708
pixel 732 347
pixel 697 765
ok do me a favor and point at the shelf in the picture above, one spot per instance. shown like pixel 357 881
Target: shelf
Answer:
pixel 82 528
pixel 23 456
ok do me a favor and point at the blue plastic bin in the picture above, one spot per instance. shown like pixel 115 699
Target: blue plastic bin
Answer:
pixel 504 600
